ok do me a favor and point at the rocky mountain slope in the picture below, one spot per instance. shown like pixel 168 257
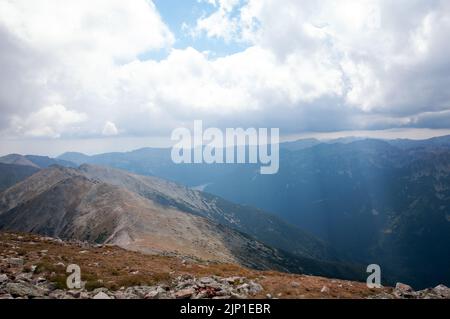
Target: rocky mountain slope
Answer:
pixel 260 225
pixel 35 267
pixel 84 204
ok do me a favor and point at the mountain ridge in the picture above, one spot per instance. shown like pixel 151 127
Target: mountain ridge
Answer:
pixel 66 203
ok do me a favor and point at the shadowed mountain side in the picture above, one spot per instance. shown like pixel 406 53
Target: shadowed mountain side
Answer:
pixel 64 203
pixel 11 174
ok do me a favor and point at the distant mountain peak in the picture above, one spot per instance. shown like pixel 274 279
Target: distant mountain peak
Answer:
pixel 17 159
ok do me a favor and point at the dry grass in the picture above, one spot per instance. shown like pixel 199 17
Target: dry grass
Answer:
pixel 113 268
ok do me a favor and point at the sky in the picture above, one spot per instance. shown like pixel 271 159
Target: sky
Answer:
pixel 108 75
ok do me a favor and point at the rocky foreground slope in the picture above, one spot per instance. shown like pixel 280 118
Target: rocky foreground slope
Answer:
pixel 35 267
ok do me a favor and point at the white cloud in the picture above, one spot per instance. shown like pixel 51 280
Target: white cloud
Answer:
pixel 309 65
pixel 50 121
pixel 110 129
pixel 109 28
pixel 219 24
pixel 388 52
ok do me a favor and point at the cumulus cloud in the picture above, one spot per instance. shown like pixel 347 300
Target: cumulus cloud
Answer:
pixel 391 56
pixel 110 129
pixel 50 121
pixel 72 68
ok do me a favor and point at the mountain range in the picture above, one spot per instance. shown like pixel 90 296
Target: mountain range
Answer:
pixel 150 215
pixel 347 201
pixel 373 201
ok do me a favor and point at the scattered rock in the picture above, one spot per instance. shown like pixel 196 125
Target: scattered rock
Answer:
pixel 254 288
pixel 184 294
pixel 236 296
pixel 99 290
pixel 21 283
pixel 403 291
pixel 403 288
pixel 23 290
pixel 15 262
pixel 74 293
pixel 101 295
pixel 442 291
pixel 152 295
pixel 325 290
pixel 3 278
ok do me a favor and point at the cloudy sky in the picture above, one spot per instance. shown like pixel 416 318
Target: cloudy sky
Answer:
pixel 95 75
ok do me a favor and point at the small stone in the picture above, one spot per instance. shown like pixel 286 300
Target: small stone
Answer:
pixel 236 296
pixel 98 290
pixel 152 295
pixel 325 290
pixel 295 284
pixel 403 288
pixel 206 280
pixel 3 278
pixel 15 262
pixel 101 295
pixel 74 293
pixel 243 287
pixel 403 291
pixel 254 288
pixel 269 296
pixel 23 290
pixel 443 291
pixel 24 277
pixel 84 295
pixel 185 293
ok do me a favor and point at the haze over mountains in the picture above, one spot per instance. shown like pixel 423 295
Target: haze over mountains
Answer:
pixel 372 200
pixel 369 201
pixel 150 215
